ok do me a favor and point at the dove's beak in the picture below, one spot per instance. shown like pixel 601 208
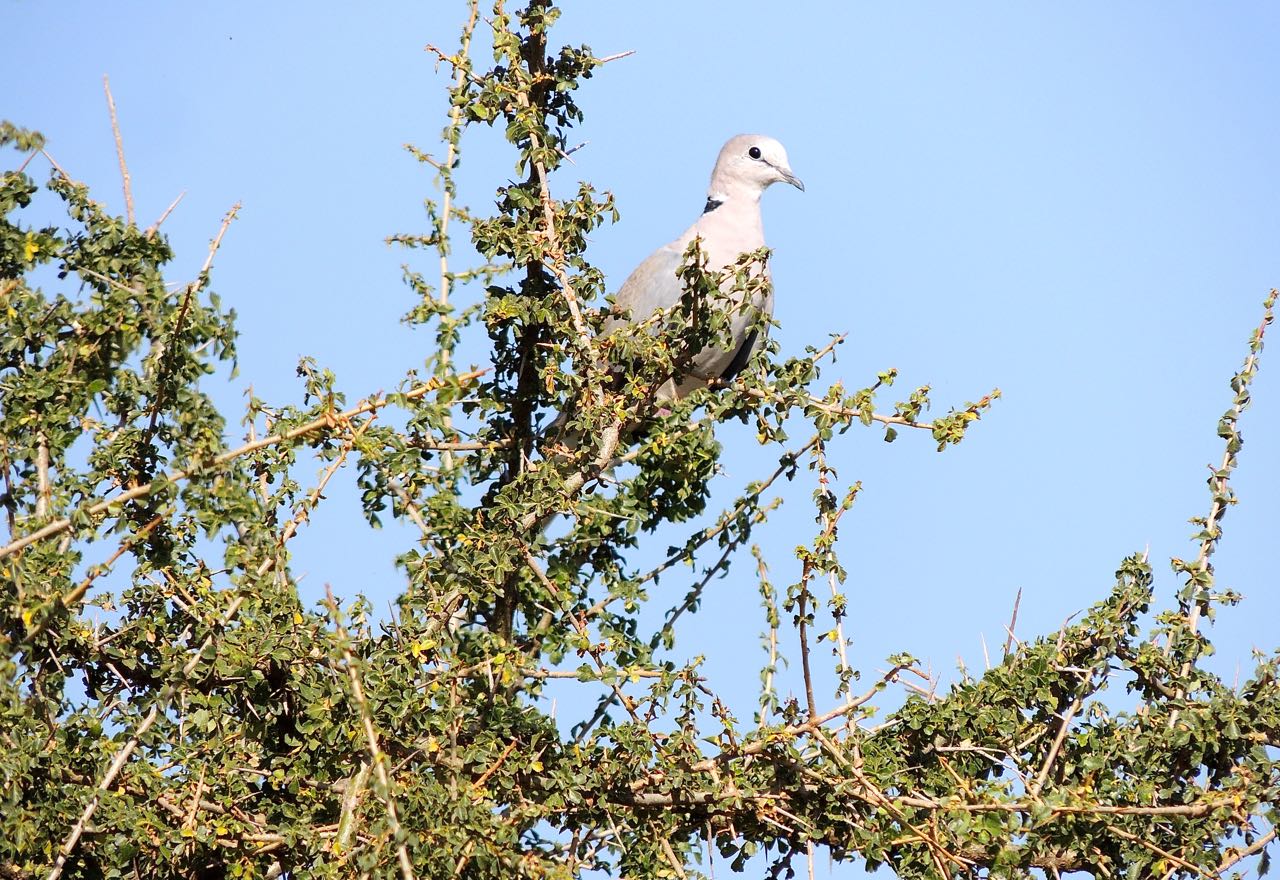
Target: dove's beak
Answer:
pixel 790 178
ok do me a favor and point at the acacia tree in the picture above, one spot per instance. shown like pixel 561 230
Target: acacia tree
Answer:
pixel 202 721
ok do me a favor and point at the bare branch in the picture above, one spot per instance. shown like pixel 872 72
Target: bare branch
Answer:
pixel 44 490
pixel 1013 622
pixel 155 227
pixel 606 59
pixel 124 169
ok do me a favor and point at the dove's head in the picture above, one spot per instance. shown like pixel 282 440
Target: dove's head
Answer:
pixel 747 165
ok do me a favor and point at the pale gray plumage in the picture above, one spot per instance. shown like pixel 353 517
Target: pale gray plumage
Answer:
pixel 729 227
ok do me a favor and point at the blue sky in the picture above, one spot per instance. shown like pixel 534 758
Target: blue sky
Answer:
pixel 1073 202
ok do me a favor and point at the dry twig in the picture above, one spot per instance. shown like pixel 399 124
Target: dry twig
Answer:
pixel 124 169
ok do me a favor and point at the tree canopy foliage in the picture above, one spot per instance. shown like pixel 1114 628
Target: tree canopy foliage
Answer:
pixel 169 707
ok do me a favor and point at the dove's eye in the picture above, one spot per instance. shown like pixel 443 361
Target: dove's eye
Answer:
pixel 754 152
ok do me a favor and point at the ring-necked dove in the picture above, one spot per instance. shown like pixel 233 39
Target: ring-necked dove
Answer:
pixel 729 227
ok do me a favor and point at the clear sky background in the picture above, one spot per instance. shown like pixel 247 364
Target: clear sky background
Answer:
pixel 1077 203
